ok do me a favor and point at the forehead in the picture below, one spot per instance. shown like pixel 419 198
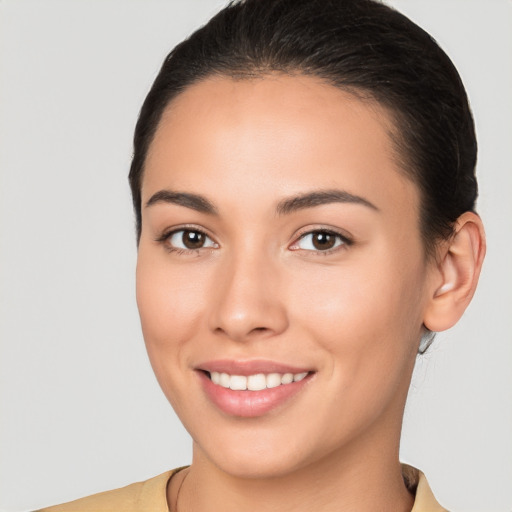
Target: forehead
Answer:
pixel 292 132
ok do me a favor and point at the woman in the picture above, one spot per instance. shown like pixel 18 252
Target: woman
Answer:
pixel 303 182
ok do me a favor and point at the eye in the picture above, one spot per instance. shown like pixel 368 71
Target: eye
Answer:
pixel 189 239
pixel 320 240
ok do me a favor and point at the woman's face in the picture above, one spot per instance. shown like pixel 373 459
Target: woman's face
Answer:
pixel 280 241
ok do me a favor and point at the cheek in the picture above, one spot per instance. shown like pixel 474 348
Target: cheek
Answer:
pixel 365 323
pixel 170 304
pixel 366 315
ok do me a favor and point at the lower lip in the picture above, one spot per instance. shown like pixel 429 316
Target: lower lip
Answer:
pixel 250 404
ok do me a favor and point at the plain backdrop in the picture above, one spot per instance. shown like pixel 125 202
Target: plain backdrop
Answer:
pixel 81 410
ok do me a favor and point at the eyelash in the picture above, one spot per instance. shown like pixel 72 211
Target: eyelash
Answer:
pixel 345 241
pixel 165 237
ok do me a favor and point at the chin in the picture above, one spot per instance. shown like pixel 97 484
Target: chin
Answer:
pixel 255 453
pixel 256 466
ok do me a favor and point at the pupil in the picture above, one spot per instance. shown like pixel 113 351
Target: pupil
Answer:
pixel 193 239
pixel 323 241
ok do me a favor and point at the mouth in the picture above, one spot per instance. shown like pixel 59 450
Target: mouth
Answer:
pixel 251 389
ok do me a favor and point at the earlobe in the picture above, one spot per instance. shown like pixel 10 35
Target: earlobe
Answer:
pixel 458 270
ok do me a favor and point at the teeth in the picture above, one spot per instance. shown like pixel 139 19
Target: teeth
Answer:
pixel 255 382
pixel 224 380
pixel 238 382
pixel 273 380
pixel 299 376
pixel 287 378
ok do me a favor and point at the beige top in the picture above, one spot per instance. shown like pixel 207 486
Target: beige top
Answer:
pixel 151 496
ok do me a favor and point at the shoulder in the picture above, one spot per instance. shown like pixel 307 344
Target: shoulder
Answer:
pixel 147 495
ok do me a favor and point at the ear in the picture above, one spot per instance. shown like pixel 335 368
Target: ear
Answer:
pixel 456 274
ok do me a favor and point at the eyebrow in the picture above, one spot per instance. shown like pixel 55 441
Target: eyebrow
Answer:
pixel 318 198
pixel 193 201
pixel 284 207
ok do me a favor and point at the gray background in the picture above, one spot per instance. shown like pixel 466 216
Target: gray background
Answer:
pixel 80 409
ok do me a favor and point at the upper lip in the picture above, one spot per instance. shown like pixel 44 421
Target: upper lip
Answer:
pixel 249 367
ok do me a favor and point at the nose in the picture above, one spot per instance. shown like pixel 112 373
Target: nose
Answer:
pixel 249 299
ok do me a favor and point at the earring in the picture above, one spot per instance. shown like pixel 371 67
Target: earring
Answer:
pixel 426 340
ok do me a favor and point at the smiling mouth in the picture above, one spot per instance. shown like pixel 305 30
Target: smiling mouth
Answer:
pixel 255 382
pixel 252 388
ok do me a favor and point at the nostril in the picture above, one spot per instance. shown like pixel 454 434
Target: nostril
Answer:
pixel 257 330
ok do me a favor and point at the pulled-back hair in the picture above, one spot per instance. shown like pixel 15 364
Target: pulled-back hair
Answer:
pixel 361 46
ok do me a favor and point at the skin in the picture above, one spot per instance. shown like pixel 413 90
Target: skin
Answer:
pixel 257 290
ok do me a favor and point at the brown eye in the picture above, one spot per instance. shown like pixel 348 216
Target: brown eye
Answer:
pixel 189 239
pixel 193 239
pixel 323 241
pixel 319 241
